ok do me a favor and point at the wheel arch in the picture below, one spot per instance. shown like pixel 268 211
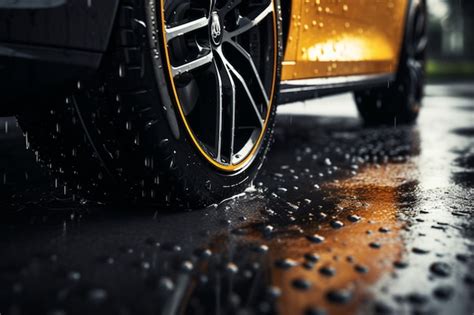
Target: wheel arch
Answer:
pixel 45 45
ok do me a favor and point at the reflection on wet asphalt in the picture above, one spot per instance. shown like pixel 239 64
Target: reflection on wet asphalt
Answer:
pixel 343 220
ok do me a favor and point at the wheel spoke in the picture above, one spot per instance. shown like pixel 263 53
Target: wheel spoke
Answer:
pixel 226 73
pixel 420 39
pixel 247 91
pixel 416 66
pixel 420 25
pixel 186 28
pixel 248 57
pixel 220 91
pixel 245 86
pixel 246 24
pixel 421 45
pixel 189 66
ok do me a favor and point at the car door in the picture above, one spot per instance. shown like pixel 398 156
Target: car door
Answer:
pixel 330 38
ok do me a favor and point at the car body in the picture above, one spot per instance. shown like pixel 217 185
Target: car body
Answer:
pixel 363 43
pixel 53 41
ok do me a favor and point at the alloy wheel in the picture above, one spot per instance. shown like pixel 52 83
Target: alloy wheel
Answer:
pixel 221 57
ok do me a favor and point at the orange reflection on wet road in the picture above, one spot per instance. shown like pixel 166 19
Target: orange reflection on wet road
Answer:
pixel 336 273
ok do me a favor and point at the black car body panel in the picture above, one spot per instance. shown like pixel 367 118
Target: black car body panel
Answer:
pixel 73 24
pixel 51 42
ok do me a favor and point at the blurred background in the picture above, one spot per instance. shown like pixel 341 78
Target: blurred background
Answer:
pixel 451 46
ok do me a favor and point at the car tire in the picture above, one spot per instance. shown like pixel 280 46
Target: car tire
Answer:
pixel 132 132
pixel 400 101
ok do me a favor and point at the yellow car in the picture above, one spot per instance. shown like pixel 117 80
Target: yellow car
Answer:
pixel 173 102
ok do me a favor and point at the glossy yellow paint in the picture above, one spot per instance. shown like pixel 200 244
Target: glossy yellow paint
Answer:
pixel 329 38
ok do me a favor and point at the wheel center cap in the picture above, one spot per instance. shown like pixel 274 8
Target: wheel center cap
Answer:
pixel 216 29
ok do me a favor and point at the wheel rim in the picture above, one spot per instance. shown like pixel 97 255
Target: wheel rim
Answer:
pixel 221 57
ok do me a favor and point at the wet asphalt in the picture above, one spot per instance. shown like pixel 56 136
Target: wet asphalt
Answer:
pixel 343 219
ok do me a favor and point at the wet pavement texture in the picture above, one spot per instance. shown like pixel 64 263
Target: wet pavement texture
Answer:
pixel 343 219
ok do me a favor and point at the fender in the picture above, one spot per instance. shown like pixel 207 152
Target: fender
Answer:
pixel 70 24
pixel 50 42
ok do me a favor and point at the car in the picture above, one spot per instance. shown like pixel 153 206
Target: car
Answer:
pixel 173 102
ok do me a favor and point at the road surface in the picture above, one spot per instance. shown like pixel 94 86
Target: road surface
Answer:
pixel 343 219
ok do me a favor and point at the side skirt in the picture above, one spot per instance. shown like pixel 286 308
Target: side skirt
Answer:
pixel 298 90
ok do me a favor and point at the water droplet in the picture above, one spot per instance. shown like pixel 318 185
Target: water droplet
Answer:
pixel 145 265
pixel 301 284
pixel 166 283
pixel 339 296
pixel 321 215
pixel 417 298
pixel 443 292
pixel 441 269
pixel 361 268
pixel 203 253
pixel 400 264
pixel 375 245
pixel 97 295
pixel 312 257
pixel 268 229
pixel 327 271
pixel 420 251
pixel 315 238
pixel 274 292
pixel 187 266
pixel 286 263
pixel 353 218
pixel 335 224
pixel 74 275
pixel 231 268
pixel 384 230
